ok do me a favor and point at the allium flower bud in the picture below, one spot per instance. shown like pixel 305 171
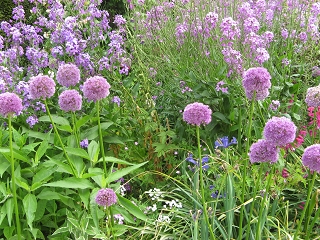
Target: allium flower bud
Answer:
pixel 263 151
pixel 70 100
pixel 96 88
pixel 68 75
pixel 41 86
pixel 106 197
pixel 280 131
pixel 10 103
pixel 311 157
pixel 313 97
pixel 197 114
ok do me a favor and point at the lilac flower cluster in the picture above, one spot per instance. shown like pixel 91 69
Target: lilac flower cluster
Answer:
pixel 219 87
pixel 263 151
pixel 70 100
pixel 106 197
pixel 256 80
pixel 313 97
pixel 96 88
pixel 10 103
pixel 68 75
pixel 197 114
pixel 311 157
pixel 41 87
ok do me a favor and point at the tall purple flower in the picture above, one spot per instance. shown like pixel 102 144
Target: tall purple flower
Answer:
pixel 70 100
pixel 68 75
pixel 263 151
pixel 311 157
pixel 313 97
pixel 41 86
pixel 256 80
pixel 197 114
pixel 280 131
pixel 96 88
pixel 10 103
pixel 106 197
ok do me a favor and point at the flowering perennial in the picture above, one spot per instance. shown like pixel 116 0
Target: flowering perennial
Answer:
pixel 313 97
pixel 96 88
pixel 263 151
pixel 10 103
pixel 68 75
pixel 197 114
pixel 280 131
pixel 41 86
pixel 311 157
pixel 70 100
pixel 106 197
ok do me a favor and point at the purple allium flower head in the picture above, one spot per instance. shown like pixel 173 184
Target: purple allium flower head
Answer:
pixel 256 79
pixel 315 71
pixel 96 88
pixel 197 114
pixel 311 157
pixel 313 97
pixel 280 131
pixel 84 143
pixel 10 103
pixel 106 197
pixel 263 151
pixel 68 75
pixel 70 100
pixel 41 86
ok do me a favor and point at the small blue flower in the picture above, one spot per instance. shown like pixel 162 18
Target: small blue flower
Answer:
pixel 224 142
pixel 190 159
pixel 205 160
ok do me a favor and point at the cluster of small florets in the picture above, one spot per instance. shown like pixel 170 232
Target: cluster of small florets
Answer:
pixel 106 197
pixel 256 81
pixel 313 97
pixel 278 132
pixel 197 114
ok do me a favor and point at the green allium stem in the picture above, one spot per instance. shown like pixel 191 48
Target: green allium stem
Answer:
pixel 75 129
pixel 205 210
pixel 101 140
pixel 60 141
pixel 13 182
pixel 243 189
pixel 305 206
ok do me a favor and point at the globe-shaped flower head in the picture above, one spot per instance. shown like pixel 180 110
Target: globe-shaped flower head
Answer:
pixel 263 151
pixel 10 103
pixel 106 197
pixel 313 97
pixel 41 87
pixel 96 88
pixel 280 131
pixel 256 80
pixel 197 114
pixel 70 100
pixel 68 75
pixel 311 157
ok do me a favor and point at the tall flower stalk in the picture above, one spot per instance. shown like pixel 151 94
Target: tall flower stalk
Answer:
pixel 11 104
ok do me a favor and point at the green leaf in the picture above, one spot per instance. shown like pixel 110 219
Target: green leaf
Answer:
pixel 66 128
pixel 122 172
pixel 220 116
pixel 92 133
pixel 83 121
pixel 30 207
pixel 56 119
pixel 116 160
pixel 38 135
pixel 22 183
pixel 113 139
pixel 16 154
pixel 3 165
pixel 41 150
pixel 93 150
pixel 71 183
pixel 8 205
pixel 133 209
pixel 78 152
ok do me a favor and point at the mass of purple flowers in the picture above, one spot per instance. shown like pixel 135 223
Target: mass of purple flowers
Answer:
pixel 197 114
pixel 41 87
pixel 106 197
pixel 10 103
pixel 68 75
pixel 313 97
pixel 311 157
pixel 263 151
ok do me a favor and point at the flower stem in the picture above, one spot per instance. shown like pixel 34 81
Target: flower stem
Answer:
pixel 205 211
pixel 75 129
pixel 13 181
pixel 101 140
pixel 60 141
pixel 244 178
pixel 305 206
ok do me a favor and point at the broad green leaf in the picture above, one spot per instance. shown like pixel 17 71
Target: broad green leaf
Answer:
pixel 8 205
pixel 38 135
pixel 83 121
pixel 43 175
pixel 41 208
pixel 133 209
pixel 116 160
pixel 78 152
pixel 41 150
pixel 16 154
pixel 93 150
pixel 71 183
pixel 4 165
pixel 220 116
pixel 122 172
pixel 30 207
pixel 113 139
pixel 22 183
pixel 57 162
pixel 56 119
pixel 92 133
pixel 61 230
pixel 66 128
pixel 85 196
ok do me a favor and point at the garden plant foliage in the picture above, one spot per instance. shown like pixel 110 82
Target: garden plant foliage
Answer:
pixel 184 119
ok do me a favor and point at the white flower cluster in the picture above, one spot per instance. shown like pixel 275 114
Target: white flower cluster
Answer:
pixel 155 194
pixel 173 203
pixel 163 219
